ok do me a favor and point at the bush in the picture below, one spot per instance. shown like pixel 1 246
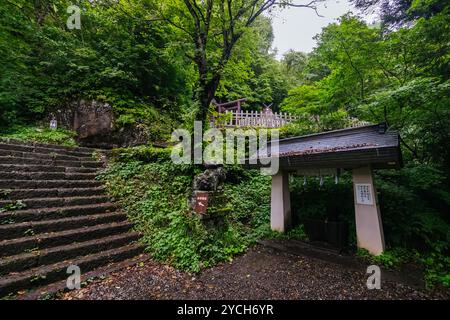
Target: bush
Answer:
pixel 437 268
pixel 391 258
pixel 44 135
pixel 414 206
pixel 414 212
pixel 145 154
pixel 155 197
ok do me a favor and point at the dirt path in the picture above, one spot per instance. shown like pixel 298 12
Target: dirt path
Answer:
pixel 261 273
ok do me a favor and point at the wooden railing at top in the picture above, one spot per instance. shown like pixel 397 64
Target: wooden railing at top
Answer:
pixel 236 118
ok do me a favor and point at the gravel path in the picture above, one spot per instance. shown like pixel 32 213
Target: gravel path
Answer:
pixel 261 273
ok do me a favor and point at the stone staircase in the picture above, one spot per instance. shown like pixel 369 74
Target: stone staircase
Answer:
pixel 54 213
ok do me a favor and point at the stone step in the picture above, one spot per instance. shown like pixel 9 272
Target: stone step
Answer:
pixel 35 203
pixel 44 150
pixel 48 240
pixel 47 176
pixel 50 273
pixel 35 155
pixel 66 216
pixel 44 168
pixel 49 162
pixel 54 213
pixel 46 145
pixel 23 229
pixel 33 259
pixel 16 194
pixel 48 184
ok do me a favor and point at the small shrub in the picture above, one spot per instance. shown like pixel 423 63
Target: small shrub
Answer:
pixel 44 135
pixel 437 268
pixel 392 258
pixel 155 197
pixel 17 205
pixel 298 232
pixel 145 154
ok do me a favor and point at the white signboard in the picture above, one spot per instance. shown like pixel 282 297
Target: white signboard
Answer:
pixel 53 124
pixel 364 193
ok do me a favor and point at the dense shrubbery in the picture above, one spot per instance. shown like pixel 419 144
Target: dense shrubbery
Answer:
pixel 155 196
pixel 155 192
pixel 401 77
pixel 117 57
pixel 413 205
pixel 123 55
pixel 44 135
pixel 142 153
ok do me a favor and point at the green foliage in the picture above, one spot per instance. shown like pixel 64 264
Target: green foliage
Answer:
pixel 143 153
pixel 117 57
pixel 148 70
pixel 392 258
pixel 298 232
pixel 419 111
pixel 17 205
pixel 155 197
pixel 412 203
pixel 366 73
pixel 221 118
pixel 294 63
pixel 413 206
pixel 437 268
pixel 253 72
pixel 435 263
pixel 44 135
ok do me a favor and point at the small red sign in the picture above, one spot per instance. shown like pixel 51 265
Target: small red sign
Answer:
pixel 201 202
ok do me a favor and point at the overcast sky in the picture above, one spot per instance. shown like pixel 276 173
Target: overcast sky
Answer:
pixel 294 28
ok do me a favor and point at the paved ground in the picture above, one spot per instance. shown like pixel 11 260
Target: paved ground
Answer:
pixel 261 273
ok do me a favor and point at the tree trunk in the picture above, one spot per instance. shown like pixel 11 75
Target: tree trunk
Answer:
pixel 206 93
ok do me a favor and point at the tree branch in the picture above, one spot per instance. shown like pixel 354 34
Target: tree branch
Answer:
pixel 311 5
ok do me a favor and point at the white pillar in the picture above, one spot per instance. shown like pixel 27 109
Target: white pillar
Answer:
pixel 280 215
pixel 369 229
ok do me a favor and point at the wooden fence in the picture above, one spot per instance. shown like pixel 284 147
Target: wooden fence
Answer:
pixel 236 118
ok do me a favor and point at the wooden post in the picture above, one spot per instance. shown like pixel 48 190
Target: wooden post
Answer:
pixel 369 228
pixel 280 210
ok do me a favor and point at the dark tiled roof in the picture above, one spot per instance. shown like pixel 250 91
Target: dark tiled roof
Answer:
pixel 345 148
pixel 339 140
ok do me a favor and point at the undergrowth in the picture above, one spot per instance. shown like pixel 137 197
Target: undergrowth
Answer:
pixel 155 197
pixel 155 193
pixel 44 135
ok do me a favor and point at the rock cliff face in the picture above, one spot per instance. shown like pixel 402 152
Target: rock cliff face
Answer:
pixel 92 118
pixel 94 123
pixel 209 180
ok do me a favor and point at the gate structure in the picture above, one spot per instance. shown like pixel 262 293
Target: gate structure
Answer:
pixel 360 150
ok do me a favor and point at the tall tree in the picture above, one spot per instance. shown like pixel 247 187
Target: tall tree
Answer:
pixel 214 27
pixel 398 13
